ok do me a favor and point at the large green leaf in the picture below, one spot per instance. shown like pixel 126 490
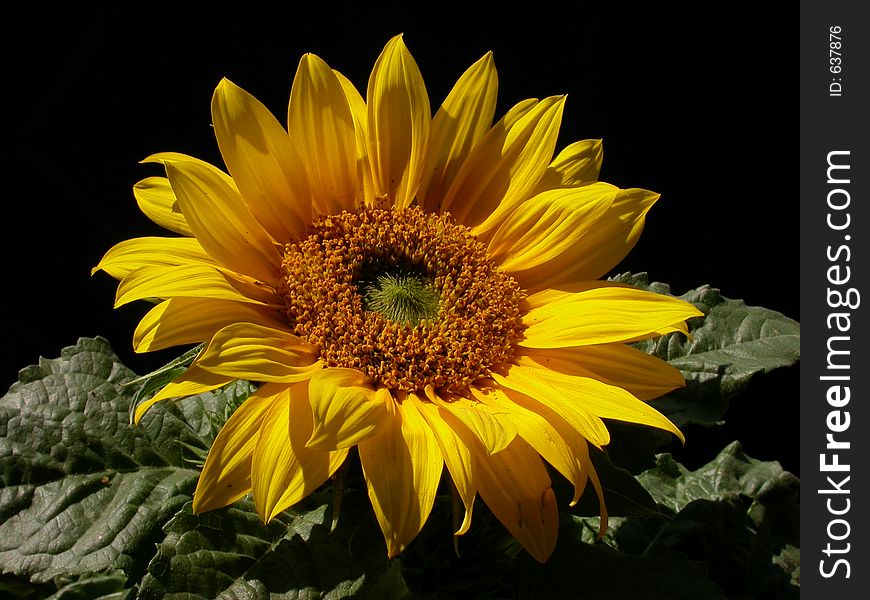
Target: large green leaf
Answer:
pixel 85 492
pixel 230 553
pixel 598 572
pixel 732 473
pixel 738 514
pixel 90 501
pixel 729 346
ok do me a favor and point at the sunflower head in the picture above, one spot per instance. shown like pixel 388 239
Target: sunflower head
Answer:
pixel 422 289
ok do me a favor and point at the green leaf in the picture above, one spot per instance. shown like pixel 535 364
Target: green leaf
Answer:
pixel 148 385
pixel 738 514
pixel 789 560
pixel 109 586
pixel 230 553
pixel 732 473
pixel 391 585
pixel 598 572
pixel 85 492
pixel 729 346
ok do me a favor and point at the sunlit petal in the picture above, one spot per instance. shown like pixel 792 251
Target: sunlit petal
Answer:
pixel 346 409
pixel 601 314
pixel 283 469
pixel 259 353
pixel 320 121
pixel 398 124
pixel 263 160
pixel 463 119
pixel 402 466
pixel 180 321
pixel 226 475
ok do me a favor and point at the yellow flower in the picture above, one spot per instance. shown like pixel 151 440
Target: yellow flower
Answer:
pixel 421 288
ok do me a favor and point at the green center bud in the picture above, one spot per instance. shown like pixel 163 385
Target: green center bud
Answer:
pixel 402 297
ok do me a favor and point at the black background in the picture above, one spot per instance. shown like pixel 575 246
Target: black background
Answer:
pixel 697 102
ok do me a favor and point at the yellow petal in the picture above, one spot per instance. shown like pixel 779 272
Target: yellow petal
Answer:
pixel 644 376
pixel 577 164
pixel 157 201
pixel 283 469
pixel 320 122
pixel 601 314
pixel 359 112
pixel 164 158
pixel 678 327
pixel 263 161
pixel 127 256
pixel 505 166
pixel 599 491
pixel 189 281
pixel 226 475
pixel 538 392
pixel 516 487
pixel 179 321
pixel 546 296
pixel 222 223
pixel 548 226
pixel 402 465
pixel 398 124
pixel 549 434
pixel 259 353
pixel 603 400
pixel 464 117
pixel 457 455
pixel 601 243
pixel 493 430
pixel 346 409
pixel 193 381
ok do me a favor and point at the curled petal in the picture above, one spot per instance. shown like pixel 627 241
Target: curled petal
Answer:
pixel 463 119
pixel 603 400
pixel 259 353
pixel 457 455
pixel 577 164
pixel 599 244
pixel 190 281
pixel 535 393
pixel 490 426
pixel 359 112
pixel 346 409
pixel 548 226
pixel 193 381
pixel 222 222
pixel 549 434
pixel 157 201
pixel 505 166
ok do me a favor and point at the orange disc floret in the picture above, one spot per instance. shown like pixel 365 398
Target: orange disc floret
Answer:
pixel 467 319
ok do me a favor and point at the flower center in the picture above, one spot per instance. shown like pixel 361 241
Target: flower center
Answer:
pixel 401 295
pixel 409 298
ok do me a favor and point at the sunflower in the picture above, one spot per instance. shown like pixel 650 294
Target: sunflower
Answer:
pixel 423 289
